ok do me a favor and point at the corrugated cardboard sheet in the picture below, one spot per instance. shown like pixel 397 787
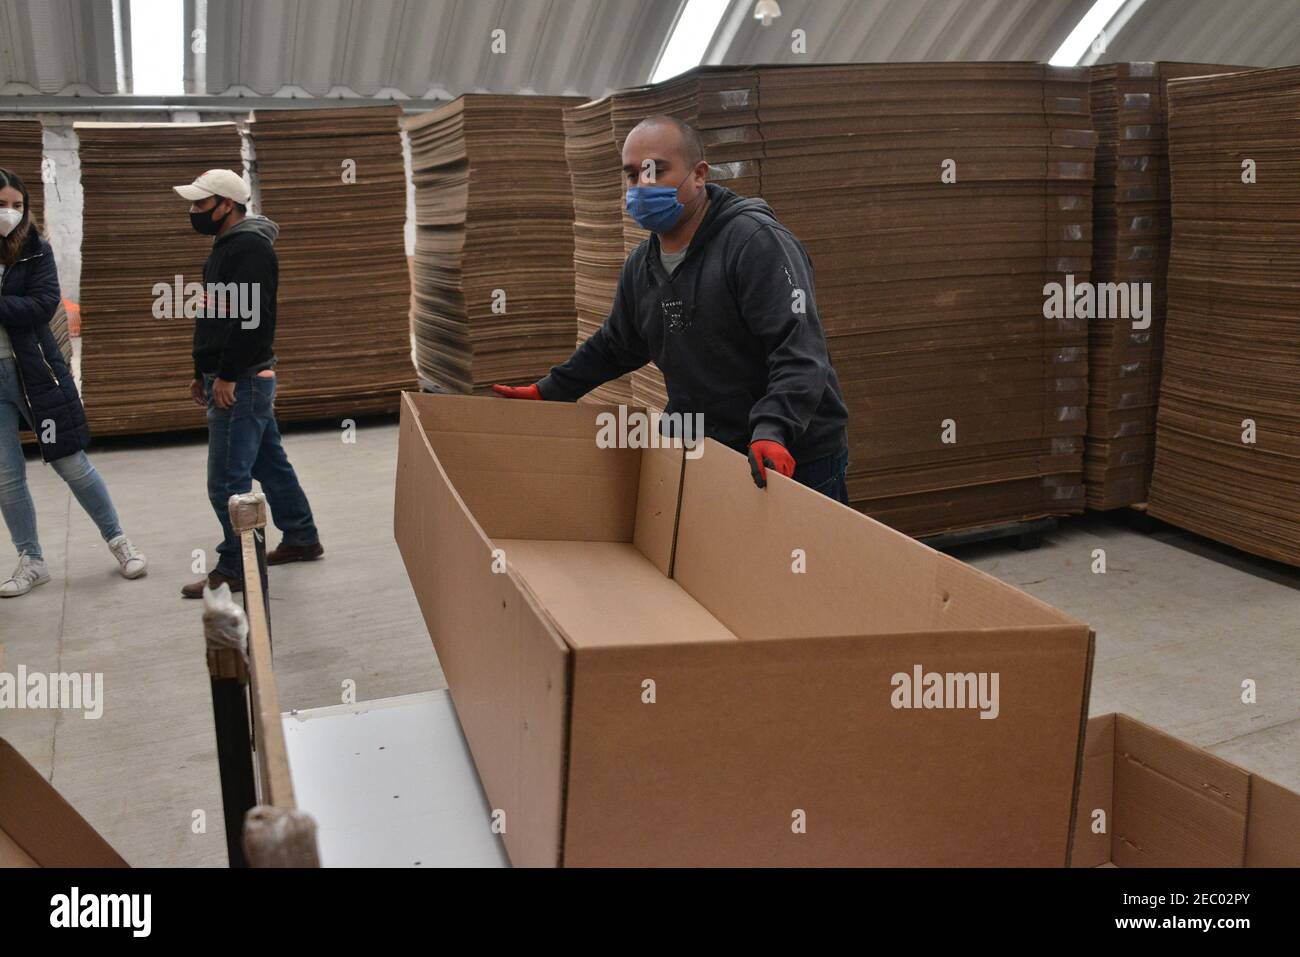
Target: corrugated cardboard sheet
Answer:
pixel 38 828
pixel 1166 803
pixel 656 662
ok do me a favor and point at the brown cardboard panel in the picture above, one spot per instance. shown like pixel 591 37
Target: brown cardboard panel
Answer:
pixel 742 735
pixel 533 469
pixel 505 665
pixel 657 501
pixel 543 486
pixel 11 855
pixel 1100 739
pixel 607 593
pixel 1093 849
pixel 736 555
pixel 1175 805
pixel 1273 827
pixel 492 414
pixel 40 825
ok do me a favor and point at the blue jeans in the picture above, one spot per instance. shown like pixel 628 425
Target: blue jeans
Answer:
pixel 243 445
pixel 825 475
pixel 16 499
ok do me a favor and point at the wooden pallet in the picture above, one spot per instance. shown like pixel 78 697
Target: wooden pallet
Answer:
pixel 1027 534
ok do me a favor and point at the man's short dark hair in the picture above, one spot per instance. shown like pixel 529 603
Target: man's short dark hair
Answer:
pixel 692 145
pixel 221 199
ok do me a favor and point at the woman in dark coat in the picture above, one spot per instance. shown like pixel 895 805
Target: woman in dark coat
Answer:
pixel 36 387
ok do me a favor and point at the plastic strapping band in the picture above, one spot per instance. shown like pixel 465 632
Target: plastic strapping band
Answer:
pixel 730 134
pixel 733 99
pixel 1063 488
pixel 732 170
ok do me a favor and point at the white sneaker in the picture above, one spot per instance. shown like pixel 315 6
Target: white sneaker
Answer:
pixel 128 556
pixel 29 573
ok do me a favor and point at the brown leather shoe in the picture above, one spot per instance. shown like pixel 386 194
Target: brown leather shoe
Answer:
pixel 294 553
pixel 214 580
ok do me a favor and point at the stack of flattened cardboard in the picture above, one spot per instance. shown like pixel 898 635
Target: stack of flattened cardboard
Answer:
pixel 138 252
pixel 21 153
pixel 1228 429
pixel 595 170
pixel 334 182
pixel 493 295
pixel 937 201
pixel 1130 260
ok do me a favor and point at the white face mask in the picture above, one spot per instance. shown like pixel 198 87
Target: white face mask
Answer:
pixel 9 220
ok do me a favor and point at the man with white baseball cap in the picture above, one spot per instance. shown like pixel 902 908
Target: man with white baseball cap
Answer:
pixel 234 375
pixel 217 182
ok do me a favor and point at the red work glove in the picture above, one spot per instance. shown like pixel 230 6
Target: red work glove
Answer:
pixel 518 391
pixel 766 454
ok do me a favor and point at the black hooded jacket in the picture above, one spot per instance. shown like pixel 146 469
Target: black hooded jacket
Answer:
pixel 29 297
pixel 735 331
pixel 224 342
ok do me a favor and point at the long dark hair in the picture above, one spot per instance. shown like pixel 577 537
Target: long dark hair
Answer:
pixel 11 246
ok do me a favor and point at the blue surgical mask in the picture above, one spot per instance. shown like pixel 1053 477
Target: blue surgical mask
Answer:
pixel 654 207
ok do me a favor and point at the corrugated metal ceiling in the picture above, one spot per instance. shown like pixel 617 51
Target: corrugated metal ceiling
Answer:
pixel 441 48
pixel 894 30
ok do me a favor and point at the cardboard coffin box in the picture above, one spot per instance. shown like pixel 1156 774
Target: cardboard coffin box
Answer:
pixel 657 663
pixel 1148 799
pixel 38 828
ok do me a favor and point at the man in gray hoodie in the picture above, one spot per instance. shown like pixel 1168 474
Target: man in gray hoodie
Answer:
pixel 721 298
pixel 234 376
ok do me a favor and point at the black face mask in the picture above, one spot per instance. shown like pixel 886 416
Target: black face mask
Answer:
pixel 204 223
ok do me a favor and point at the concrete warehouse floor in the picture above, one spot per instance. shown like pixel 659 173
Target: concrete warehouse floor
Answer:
pixel 1180 623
